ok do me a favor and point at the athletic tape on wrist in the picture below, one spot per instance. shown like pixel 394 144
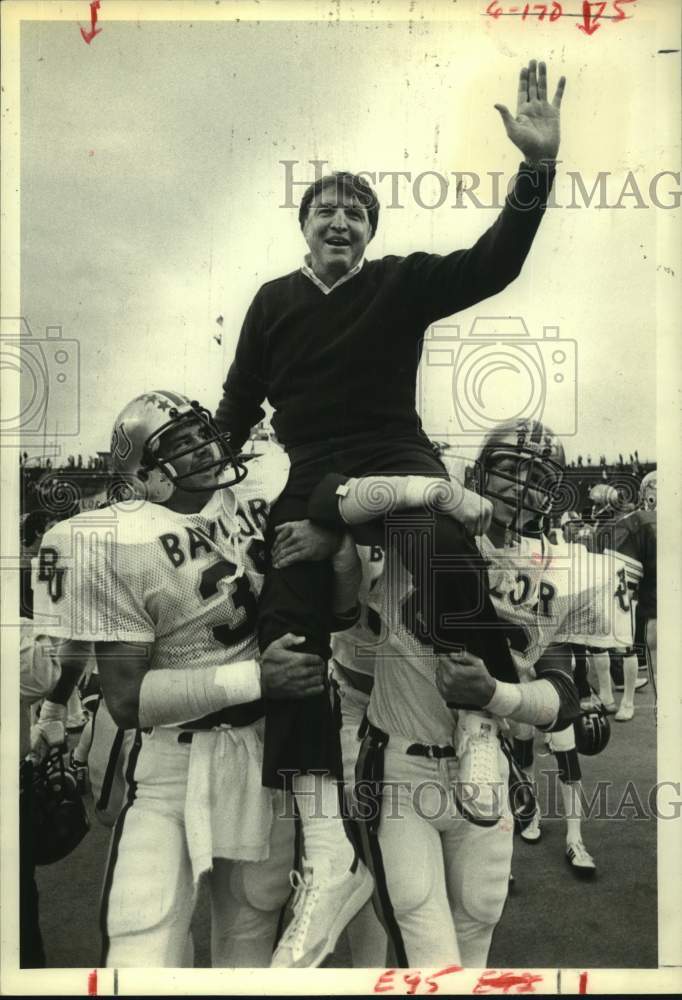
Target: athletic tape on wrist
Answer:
pixel 537 702
pixel 506 698
pixel 169 696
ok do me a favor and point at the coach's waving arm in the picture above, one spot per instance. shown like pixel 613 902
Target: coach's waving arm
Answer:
pixel 535 129
pixel 440 285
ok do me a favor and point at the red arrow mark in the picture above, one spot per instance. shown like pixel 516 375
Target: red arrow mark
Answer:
pixel 89 35
pixel 589 25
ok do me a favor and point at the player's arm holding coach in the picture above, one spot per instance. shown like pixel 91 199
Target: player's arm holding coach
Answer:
pixel 138 696
pixel 461 677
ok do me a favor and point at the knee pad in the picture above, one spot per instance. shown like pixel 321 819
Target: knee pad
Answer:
pixel 562 739
pixel 523 751
pixel 562 745
pixel 485 885
pixel 410 886
pixel 253 885
pixel 265 885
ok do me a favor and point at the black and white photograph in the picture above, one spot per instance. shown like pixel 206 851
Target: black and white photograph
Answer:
pixel 340 365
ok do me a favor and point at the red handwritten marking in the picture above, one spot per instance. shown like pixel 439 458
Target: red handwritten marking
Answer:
pixel 622 16
pixel 505 981
pixel 582 983
pixel 89 35
pixel 589 25
pixel 92 983
pixel 413 979
pixel 593 12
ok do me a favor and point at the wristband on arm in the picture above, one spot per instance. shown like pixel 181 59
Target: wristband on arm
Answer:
pixel 536 703
pixel 173 696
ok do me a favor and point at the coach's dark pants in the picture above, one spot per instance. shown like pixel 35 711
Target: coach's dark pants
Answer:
pixel 452 606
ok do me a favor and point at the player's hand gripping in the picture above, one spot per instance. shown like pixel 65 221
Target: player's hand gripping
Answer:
pixel 286 673
pixel 302 541
pixel 535 130
pixel 463 678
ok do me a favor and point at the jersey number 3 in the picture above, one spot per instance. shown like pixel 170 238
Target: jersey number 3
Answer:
pixel 242 598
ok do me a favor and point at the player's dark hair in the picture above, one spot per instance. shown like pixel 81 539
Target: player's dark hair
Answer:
pixel 345 183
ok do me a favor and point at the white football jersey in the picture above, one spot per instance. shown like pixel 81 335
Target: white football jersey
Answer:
pixel 404 699
pixel 542 594
pixel 560 593
pixel 137 572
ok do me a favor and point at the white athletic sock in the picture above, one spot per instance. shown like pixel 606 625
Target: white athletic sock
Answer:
pixel 630 671
pixel 573 810
pixel 602 666
pixel 325 841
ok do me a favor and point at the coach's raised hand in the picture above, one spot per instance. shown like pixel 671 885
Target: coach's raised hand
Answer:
pixel 288 674
pixel 535 129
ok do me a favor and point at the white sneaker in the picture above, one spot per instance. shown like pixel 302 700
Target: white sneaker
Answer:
pixel 609 707
pixel 532 833
pixel 624 713
pixel 580 861
pixel 322 909
pixel 478 788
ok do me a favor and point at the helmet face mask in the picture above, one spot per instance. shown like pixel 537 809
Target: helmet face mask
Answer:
pixel 162 441
pixel 521 463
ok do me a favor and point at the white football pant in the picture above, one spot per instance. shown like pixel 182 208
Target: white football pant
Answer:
pixel 149 895
pixel 446 879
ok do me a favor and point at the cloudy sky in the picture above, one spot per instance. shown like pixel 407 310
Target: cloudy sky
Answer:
pixel 154 197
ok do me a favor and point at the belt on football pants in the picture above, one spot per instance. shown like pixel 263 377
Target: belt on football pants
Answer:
pixel 433 751
pixel 234 717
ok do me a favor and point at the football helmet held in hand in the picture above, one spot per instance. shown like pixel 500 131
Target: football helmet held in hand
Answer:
pixel 592 731
pixel 58 817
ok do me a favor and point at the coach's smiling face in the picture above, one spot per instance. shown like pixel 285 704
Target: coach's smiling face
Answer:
pixel 337 230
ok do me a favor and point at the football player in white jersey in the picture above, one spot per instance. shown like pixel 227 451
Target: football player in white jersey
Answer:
pixel 551 593
pixel 441 881
pixel 165 585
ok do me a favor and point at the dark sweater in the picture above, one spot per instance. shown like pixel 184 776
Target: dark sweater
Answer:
pixel 346 363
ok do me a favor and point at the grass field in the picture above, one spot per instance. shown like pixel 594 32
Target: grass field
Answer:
pixel 551 919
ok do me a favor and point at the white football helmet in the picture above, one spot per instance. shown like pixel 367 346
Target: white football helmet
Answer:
pixel 136 439
pixel 603 497
pixel 647 491
pixel 537 456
